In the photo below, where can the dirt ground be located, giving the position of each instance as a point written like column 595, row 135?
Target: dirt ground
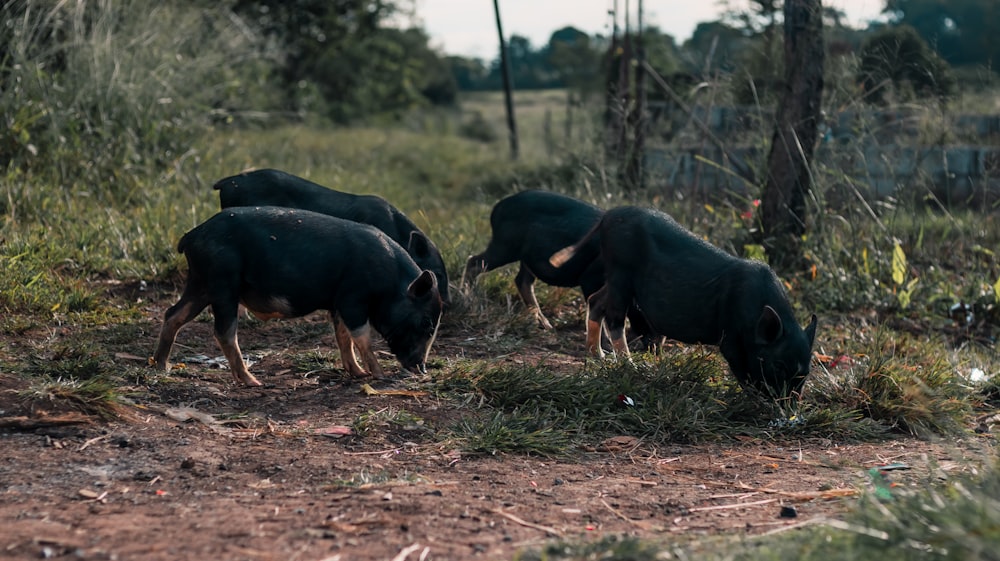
column 198, row 468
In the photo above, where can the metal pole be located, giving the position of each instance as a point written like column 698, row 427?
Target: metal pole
column 507, row 86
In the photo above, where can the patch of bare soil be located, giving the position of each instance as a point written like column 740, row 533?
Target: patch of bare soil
column 200, row 468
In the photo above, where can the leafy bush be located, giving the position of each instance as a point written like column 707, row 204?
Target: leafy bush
column 99, row 96
column 900, row 57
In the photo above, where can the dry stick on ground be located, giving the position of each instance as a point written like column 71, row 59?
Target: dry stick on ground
column 406, row 551
column 734, row 505
column 527, row 524
column 800, row 496
column 30, row 423
column 641, row 524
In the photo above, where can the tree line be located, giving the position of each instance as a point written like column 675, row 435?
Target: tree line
column 353, row 59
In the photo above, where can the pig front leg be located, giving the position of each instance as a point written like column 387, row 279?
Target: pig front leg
column 525, row 282
column 347, row 341
column 612, row 305
column 225, row 336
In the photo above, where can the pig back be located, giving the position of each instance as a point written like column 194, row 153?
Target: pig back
column 308, row 257
column 536, row 224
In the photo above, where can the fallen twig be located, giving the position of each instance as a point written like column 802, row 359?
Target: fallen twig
column 406, row 551
column 30, row 423
column 804, row 495
column 527, row 524
column 92, row 441
column 734, row 505
column 637, row 523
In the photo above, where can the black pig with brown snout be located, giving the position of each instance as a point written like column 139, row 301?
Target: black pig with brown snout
column 271, row 187
column 284, row 263
column 691, row 291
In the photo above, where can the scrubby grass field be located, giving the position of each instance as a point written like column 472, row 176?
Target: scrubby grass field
column 884, row 365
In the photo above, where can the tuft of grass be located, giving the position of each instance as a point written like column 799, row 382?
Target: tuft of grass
column 608, row 548
column 366, row 478
column 521, row 432
column 96, row 396
column 684, row 396
column 900, row 384
column 388, row 417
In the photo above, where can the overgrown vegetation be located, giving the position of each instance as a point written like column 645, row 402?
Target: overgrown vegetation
column 119, row 117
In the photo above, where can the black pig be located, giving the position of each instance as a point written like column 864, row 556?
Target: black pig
column 529, row 227
column 282, row 263
column 693, row 292
column 277, row 188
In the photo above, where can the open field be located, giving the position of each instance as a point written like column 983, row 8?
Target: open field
column 513, row 445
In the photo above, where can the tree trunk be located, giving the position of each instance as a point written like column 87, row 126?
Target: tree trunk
column 783, row 203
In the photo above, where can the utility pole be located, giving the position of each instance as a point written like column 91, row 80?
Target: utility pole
column 507, row 86
column 635, row 177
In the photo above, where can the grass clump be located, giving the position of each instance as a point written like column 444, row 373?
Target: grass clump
column 608, row 548
column 900, row 385
column 387, row 418
column 522, row 432
column 683, row 397
column 686, row 395
column 95, row 395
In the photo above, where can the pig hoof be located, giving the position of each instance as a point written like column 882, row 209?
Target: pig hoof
column 248, row 380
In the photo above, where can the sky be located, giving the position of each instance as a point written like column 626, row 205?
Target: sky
column 468, row 28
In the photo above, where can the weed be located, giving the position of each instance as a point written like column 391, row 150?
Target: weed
column 608, row 548
column 388, row 417
column 93, row 395
column 520, row 432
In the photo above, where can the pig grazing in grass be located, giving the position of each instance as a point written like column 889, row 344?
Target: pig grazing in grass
column 529, row 227
column 693, row 292
column 270, row 187
column 284, row 263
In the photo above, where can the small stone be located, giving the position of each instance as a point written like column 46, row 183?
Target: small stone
column 88, row 494
column 788, row 512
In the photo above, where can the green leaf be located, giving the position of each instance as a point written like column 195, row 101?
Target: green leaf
column 898, row 265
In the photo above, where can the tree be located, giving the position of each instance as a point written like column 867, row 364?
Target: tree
column 788, row 182
column 962, row 31
column 900, row 57
column 574, row 60
column 340, row 56
column 716, row 45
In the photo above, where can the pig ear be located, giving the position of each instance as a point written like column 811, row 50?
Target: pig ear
column 423, row 285
column 418, row 245
column 769, row 326
column 811, row 331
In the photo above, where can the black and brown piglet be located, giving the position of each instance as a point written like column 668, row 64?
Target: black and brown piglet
column 273, row 187
column 285, row 263
column 691, row 291
column 527, row 228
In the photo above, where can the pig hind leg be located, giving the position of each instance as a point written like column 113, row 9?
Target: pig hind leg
column 525, row 282
column 225, row 335
column 176, row 317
